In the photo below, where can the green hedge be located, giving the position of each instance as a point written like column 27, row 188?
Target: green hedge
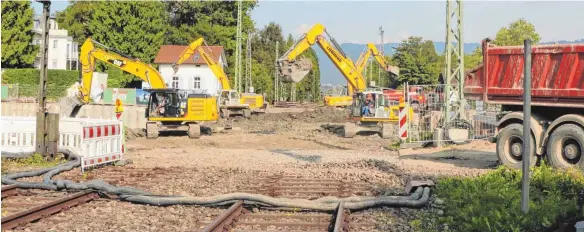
column 28, row 79
column 492, row 202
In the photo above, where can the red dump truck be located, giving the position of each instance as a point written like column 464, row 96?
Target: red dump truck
column 557, row 107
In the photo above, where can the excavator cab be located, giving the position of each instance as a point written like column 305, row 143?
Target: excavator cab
column 179, row 110
column 230, row 104
column 372, row 111
column 165, row 105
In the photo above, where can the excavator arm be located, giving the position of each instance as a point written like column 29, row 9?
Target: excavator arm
column 215, row 68
column 89, row 53
column 372, row 50
column 292, row 70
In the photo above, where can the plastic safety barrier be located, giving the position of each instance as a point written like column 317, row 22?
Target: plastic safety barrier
column 97, row 141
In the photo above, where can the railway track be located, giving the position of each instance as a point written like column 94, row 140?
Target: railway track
column 235, row 218
column 238, row 218
column 21, row 206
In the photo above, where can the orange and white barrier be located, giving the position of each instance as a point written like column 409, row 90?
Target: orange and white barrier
column 97, row 141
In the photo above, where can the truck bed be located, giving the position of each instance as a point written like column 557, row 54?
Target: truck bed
column 557, row 75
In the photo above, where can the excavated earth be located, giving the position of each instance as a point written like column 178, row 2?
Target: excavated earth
column 305, row 143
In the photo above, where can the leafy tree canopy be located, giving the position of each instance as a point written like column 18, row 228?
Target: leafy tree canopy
column 418, row 61
column 17, row 35
column 516, row 32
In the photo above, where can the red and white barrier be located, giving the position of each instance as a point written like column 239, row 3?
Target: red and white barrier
column 97, row 141
column 403, row 121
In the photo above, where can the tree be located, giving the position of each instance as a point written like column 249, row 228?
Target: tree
column 513, row 35
column 17, row 35
column 418, row 61
column 216, row 21
column 133, row 28
column 516, row 32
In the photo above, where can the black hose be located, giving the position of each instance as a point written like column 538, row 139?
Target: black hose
column 329, row 204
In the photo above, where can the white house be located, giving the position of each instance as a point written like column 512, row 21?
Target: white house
column 62, row 50
column 193, row 73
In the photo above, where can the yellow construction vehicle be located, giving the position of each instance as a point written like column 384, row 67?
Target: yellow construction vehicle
column 230, row 101
column 372, row 50
column 381, row 114
column 168, row 109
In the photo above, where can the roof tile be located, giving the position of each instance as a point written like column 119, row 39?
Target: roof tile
column 168, row 54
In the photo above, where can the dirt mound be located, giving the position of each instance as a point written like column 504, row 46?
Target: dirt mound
column 319, row 114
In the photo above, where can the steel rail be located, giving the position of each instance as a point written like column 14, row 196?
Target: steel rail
column 26, row 216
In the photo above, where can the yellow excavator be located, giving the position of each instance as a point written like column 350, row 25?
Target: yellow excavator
column 346, row 99
column 372, row 50
column 168, row 109
column 231, row 102
column 370, row 109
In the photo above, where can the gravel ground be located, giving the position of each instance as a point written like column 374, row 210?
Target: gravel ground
column 228, row 161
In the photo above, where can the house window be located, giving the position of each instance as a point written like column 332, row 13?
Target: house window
column 68, row 55
column 197, row 82
column 55, row 43
column 54, row 63
column 175, row 82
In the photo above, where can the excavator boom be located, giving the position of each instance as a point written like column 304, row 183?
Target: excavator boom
column 372, row 50
column 89, row 53
column 215, row 68
column 292, row 70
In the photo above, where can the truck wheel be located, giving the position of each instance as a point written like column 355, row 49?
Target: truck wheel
column 350, row 130
column 194, row 131
column 510, row 147
column 566, row 147
column 247, row 113
column 151, row 131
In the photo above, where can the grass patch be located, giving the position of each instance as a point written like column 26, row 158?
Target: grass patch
column 32, row 162
column 492, row 202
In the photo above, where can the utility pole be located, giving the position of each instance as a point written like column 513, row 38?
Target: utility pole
column 47, row 125
column 248, row 81
column 454, row 71
column 276, row 78
column 381, row 50
column 238, row 49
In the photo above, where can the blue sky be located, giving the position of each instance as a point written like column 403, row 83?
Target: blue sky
column 358, row 21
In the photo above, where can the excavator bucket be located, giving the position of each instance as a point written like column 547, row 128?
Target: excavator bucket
column 294, row 71
column 69, row 106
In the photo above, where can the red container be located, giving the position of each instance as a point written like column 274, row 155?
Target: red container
column 557, row 75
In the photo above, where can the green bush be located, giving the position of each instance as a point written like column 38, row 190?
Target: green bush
column 492, row 202
column 28, row 80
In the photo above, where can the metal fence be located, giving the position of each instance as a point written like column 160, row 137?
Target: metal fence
column 429, row 122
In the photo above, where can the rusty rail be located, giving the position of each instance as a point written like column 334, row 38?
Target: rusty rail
column 9, row 190
column 226, row 220
column 26, row 216
column 340, row 218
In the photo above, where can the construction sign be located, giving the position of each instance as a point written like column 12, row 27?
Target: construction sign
column 119, row 108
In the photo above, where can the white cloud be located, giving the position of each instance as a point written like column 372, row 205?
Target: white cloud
column 300, row 30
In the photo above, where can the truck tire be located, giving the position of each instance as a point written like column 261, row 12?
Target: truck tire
column 194, row 131
column 350, row 130
column 151, row 131
column 510, row 146
column 565, row 148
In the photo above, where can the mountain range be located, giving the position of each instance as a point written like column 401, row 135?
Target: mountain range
column 329, row 74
